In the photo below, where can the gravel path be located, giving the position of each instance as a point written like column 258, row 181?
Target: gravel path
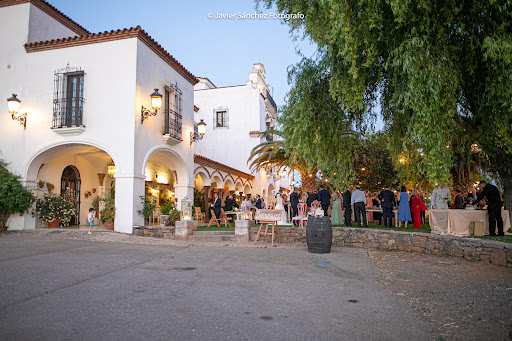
column 461, row 299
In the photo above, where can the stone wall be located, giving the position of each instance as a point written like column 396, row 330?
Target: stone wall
column 154, row 232
column 488, row 251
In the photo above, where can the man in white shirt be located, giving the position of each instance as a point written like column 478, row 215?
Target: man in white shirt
column 359, row 203
column 439, row 197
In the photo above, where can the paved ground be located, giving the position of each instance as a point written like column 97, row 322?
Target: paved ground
column 67, row 285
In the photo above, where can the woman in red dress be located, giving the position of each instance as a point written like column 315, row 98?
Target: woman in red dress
column 416, row 207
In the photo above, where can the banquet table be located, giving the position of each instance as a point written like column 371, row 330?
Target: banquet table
column 458, row 222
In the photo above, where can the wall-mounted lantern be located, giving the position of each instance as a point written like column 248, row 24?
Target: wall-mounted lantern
column 156, row 103
column 201, row 129
column 13, row 104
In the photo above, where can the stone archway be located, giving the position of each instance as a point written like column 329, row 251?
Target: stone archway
column 66, row 165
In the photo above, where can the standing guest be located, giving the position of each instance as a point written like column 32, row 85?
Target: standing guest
column 422, row 212
column 347, row 199
column 229, row 203
column 369, row 204
column 417, row 206
column 459, row 200
column 377, row 216
column 387, row 202
column 359, row 203
column 404, row 212
column 324, row 198
column 285, row 203
column 440, row 197
column 294, row 201
column 258, row 202
column 494, row 204
column 217, row 205
column 411, row 196
column 311, row 197
column 336, row 212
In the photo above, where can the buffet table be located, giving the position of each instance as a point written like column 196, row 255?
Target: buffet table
column 458, row 222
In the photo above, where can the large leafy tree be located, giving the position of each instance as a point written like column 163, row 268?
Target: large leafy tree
column 439, row 67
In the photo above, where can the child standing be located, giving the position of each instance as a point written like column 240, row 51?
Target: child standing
column 90, row 219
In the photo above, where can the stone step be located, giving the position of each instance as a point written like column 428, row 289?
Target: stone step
column 213, row 233
column 211, row 238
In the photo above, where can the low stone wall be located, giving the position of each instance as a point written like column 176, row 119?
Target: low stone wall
column 488, row 251
column 155, row 232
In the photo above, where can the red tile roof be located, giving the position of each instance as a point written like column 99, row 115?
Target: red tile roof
column 204, row 161
column 96, row 38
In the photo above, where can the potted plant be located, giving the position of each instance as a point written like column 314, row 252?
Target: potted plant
column 14, row 198
column 165, row 209
column 50, row 187
column 108, row 214
column 173, row 216
column 87, row 194
column 148, row 206
column 94, row 190
column 55, row 210
column 41, row 183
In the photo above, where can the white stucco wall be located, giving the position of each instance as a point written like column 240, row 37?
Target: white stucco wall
column 42, row 27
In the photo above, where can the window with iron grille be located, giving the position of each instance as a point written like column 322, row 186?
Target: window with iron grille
column 172, row 112
column 68, row 98
column 221, row 117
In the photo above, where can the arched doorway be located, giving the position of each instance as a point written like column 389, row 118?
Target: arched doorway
column 70, row 188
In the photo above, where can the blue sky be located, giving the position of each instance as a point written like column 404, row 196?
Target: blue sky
column 221, row 49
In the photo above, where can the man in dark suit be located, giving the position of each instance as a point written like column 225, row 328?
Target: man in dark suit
column 258, row 202
column 229, row 203
column 494, row 204
column 347, row 199
column 387, row 202
column 459, row 200
column 294, row 201
column 311, row 197
column 325, row 199
column 217, row 205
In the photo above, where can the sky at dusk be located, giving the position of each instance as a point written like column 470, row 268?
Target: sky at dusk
column 221, row 49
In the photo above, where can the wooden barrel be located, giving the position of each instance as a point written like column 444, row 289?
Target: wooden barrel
column 319, row 234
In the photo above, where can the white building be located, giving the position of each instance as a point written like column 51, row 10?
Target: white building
column 83, row 94
column 235, row 117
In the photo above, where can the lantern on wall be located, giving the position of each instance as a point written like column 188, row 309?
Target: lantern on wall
column 111, row 169
column 186, row 209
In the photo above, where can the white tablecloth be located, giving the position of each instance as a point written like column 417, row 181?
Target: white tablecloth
column 458, row 222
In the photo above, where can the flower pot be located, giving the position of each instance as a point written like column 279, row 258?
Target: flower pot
column 54, row 223
column 86, row 195
column 109, row 224
column 41, row 185
column 94, row 190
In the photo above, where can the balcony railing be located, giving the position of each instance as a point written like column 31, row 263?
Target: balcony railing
column 68, row 112
column 271, row 100
column 174, row 124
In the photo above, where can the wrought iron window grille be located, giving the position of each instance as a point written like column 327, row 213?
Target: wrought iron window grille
column 68, row 97
column 173, row 119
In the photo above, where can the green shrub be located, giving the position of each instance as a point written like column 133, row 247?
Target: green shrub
column 173, row 216
column 108, row 212
column 166, row 208
column 14, row 198
column 148, row 206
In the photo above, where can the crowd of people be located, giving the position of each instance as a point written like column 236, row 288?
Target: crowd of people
column 353, row 203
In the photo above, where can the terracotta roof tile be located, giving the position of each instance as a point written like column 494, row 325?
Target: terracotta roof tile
column 106, row 36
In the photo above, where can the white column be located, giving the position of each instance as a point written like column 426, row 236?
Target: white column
column 25, row 221
column 182, row 191
column 129, row 189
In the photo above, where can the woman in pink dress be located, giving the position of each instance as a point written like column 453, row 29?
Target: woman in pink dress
column 369, row 204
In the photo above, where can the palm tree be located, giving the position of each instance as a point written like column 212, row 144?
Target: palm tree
column 271, row 154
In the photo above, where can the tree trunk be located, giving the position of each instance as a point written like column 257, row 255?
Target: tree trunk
column 507, row 196
column 462, row 181
column 3, row 220
column 308, row 183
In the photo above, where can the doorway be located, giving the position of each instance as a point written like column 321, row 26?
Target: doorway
column 70, row 189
